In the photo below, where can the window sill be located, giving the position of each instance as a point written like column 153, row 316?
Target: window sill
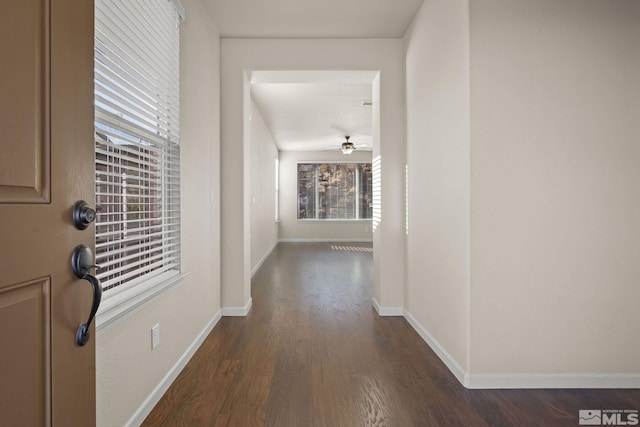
column 120, row 305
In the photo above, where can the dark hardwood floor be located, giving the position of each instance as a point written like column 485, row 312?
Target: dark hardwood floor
column 313, row 352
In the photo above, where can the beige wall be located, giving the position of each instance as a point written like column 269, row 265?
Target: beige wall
column 437, row 87
column 264, row 230
column 555, row 198
column 126, row 368
column 242, row 55
column 522, row 255
column 522, row 136
column 293, row 230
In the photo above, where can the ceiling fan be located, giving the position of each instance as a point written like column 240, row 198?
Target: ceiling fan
column 349, row 147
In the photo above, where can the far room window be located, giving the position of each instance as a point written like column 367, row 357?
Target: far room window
column 376, row 184
column 277, row 185
column 335, row 191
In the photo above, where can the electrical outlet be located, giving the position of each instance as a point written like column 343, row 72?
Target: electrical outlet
column 155, row 336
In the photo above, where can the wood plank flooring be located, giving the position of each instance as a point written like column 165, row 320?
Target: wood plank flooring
column 313, row 352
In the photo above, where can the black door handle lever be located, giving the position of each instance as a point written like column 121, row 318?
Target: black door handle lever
column 82, row 263
column 82, row 335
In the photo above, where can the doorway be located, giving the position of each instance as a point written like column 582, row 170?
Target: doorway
column 299, row 118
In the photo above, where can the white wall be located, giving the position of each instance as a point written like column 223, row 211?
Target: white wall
column 264, row 230
column 437, row 87
column 522, row 136
column 240, row 56
column 293, row 230
column 127, row 370
column 555, row 93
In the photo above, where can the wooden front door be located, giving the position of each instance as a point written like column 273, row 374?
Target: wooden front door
column 46, row 165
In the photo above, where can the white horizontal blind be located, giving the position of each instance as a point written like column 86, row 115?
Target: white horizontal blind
column 406, row 199
column 334, row 191
column 377, row 192
column 136, row 144
column 277, row 186
column 337, row 191
column 307, row 194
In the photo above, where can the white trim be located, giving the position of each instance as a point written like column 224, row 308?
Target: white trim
column 238, row 311
column 150, row 402
column 325, row 240
column 322, row 162
column 451, row 363
column 532, row 381
column 263, row 259
column 525, row 381
column 387, row 311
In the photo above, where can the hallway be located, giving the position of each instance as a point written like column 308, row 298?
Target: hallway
column 313, row 352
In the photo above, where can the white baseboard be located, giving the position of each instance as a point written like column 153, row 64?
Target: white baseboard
column 238, row 311
column 338, row 240
column 150, row 402
column 263, row 259
column 511, row 381
column 451, row 363
column 523, row 381
column 387, row 311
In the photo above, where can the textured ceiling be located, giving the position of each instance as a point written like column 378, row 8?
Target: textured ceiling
column 313, row 18
column 314, row 110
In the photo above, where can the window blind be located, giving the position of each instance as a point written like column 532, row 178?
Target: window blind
column 334, row 191
column 377, row 192
column 137, row 133
column 277, row 186
column 406, row 199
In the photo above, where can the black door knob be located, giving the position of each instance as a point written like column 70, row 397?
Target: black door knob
column 83, row 215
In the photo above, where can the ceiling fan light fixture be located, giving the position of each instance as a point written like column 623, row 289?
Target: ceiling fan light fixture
column 347, row 148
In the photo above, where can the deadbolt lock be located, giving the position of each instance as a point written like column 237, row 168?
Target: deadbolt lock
column 83, row 215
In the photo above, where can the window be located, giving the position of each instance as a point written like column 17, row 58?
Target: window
column 335, row 191
column 406, row 199
column 137, row 156
column 377, row 192
column 277, row 183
